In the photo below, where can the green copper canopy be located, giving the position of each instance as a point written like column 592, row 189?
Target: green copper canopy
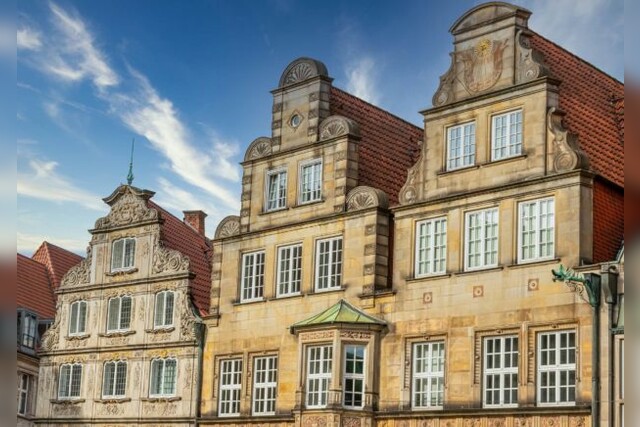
column 340, row 312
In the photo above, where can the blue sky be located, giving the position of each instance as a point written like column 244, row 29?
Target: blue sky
column 190, row 82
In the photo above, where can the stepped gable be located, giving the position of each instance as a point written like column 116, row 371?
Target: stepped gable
column 181, row 237
column 57, row 261
column 34, row 291
column 389, row 145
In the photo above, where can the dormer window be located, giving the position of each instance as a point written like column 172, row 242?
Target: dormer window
column 276, row 197
column 123, row 254
column 461, row 146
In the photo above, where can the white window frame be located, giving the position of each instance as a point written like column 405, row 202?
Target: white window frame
column 161, row 364
column 318, row 383
column 301, row 184
column 252, row 282
column 79, row 327
column 619, row 381
column 23, row 393
column 280, row 200
column 500, row 370
column 29, row 329
column 558, row 368
column 111, row 385
column 428, row 375
column 123, row 322
column 511, row 139
column 265, row 385
column 354, row 377
column 482, row 240
column 289, row 270
column 431, row 247
column 124, row 262
column 230, row 387
column 537, row 229
column 161, row 318
column 462, row 155
column 71, row 387
column 334, row 261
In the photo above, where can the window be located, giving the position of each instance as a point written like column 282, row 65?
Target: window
column 276, row 190
column 163, row 377
column 353, row 395
column 70, row 381
column 230, row 387
column 119, row 314
column 461, row 146
column 329, row 264
column 123, row 253
column 481, row 248
column 114, row 379
column 252, row 276
column 619, row 380
column 163, row 317
column 310, row 181
column 537, row 230
column 29, row 325
column 431, row 247
column 78, row 318
column 506, row 135
column 319, row 363
column 500, row 378
column 24, row 381
column 557, row 368
column 428, row 375
column 265, row 379
column 289, row 269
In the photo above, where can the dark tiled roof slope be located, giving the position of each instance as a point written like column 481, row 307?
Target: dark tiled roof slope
column 57, row 261
column 34, row 291
column 608, row 221
column 389, row 145
column 177, row 235
column 592, row 101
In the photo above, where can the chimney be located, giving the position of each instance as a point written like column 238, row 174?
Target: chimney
column 196, row 220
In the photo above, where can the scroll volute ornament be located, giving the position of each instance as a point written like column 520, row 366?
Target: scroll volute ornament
column 565, row 150
column 530, row 61
column 80, row 274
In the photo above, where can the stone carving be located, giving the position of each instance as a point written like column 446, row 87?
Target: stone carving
column 408, row 192
column 370, row 249
column 229, row 226
column 111, row 409
column 482, row 64
column 160, row 409
column 497, row 422
column 523, row 422
column 550, row 421
column 187, row 320
column 128, row 209
column 67, row 408
column 351, row 422
column 428, row 423
column 444, row 93
column 334, row 126
column 364, row 197
column 355, row 335
column 577, row 421
column 260, row 147
column 302, row 69
column 472, row 422
column 79, row 274
column 298, row 73
column 531, row 62
column 315, row 421
column 567, row 154
column 167, row 260
column 316, row 335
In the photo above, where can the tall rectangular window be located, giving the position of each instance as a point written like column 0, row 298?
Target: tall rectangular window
column 500, row 378
column 163, row 316
column 70, row 381
column 506, row 135
column 289, row 270
column 310, row 181
column 230, row 387
column 265, row 381
column 481, row 238
column 461, row 146
column 557, row 368
column 431, row 247
column 537, row 230
column 252, row 276
column 353, row 378
column 123, row 254
column 328, row 264
column 276, row 190
column 319, row 365
column 114, row 379
column 24, row 382
column 78, row 318
column 29, row 328
column 119, row 314
column 428, row 375
column 163, row 377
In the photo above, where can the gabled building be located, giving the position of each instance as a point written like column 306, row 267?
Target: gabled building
column 125, row 345
column 381, row 274
column 37, row 279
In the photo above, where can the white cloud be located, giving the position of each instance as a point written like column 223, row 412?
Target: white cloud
column 28, row 243
column 28, row 39
column 361, row 79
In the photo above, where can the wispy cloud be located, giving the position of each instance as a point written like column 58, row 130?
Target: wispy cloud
column 28, row 39
column 361, row 79
column 28, row 243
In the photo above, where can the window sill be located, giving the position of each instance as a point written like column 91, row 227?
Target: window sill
column 121, row 272
column 460, row 169
column 160, row 330
column 271, row 211
column 156, row 399
column 286, row 296
column 249, row 302
column 535, row 262
column 110, row 334
column 67, row 401
column 113, row 400
column 309, row 203
column 479, row 270
column 427, row 277
column 77, row 337
column 329, row 290
column 504, row 160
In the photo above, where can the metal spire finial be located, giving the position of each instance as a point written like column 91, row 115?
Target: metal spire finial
column 130, row 174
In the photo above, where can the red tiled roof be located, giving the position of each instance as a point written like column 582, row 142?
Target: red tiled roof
column 608, row 221
column 389, row 145
column 177, row 235
column 34, row 288
column 57, row 261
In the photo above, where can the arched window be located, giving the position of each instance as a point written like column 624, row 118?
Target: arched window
column 123, row 254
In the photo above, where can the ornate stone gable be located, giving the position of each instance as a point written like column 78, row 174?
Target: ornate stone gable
column 128, row 207
column 80, row 274
column 167, row 260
